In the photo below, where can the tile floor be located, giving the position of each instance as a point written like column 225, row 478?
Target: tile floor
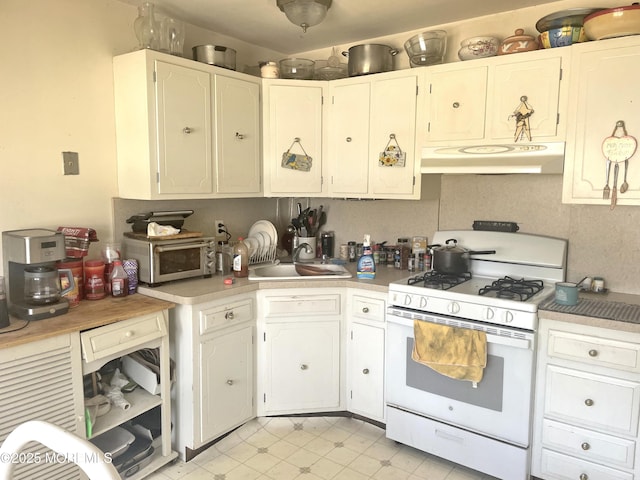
column 312, row 448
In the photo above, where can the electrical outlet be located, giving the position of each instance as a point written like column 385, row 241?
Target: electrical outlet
column 219, row 226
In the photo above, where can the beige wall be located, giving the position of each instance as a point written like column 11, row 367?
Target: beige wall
column 56, row 95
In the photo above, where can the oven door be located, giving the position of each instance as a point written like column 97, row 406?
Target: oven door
column 499, row 406
column 175, row 261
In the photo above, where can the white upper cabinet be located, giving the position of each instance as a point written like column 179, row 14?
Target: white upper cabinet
column 185, row 129
column 293, row 115
column 604, row 91
column 237, row 139
column 368, row 116
column 480, row 101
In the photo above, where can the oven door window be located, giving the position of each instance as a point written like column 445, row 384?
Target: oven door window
column 488, row 393
column 176, row 261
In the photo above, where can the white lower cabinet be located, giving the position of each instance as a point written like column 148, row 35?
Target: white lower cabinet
column 212, row 345
column 365, row 354
column 42, row 380
column 226, row 381
column 587, row 403
column 299, row 351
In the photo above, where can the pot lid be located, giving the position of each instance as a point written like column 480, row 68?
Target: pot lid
column 571, row 17
column 518, row 37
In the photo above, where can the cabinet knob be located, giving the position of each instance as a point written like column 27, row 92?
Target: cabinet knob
column 365, row 371
column 584, row 476
column 128, row 334
column 348, row 139
column 229, row 315
column 303, row 367
column 588, row 402
column 593, row 353
column 239, row 136
column 455, row 105
column 585, row 446
column 229, row 382
column 186, row 130
column 365, row 309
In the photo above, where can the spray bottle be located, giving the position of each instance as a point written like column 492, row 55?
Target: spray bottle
column 366, row 265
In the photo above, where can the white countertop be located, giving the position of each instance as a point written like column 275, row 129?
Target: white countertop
column 190, row 292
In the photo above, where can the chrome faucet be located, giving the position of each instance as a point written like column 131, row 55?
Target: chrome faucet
column 296, row 251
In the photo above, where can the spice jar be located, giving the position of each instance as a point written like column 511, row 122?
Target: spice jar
column 94, row 288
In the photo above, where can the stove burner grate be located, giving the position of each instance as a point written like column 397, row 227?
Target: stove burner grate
column 512, row 289
column 439, row 281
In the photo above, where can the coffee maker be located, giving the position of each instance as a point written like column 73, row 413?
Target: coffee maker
column 33, row 287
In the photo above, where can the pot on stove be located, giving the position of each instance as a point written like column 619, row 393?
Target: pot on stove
column 452, row 258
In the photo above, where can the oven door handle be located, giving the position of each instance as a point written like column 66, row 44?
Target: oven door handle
column 509, row 341
column 182, row 246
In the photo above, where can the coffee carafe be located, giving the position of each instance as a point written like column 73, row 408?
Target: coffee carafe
column 33, row 287
column 42, row 284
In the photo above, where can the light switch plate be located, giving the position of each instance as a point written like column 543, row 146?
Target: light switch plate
column 71, row 163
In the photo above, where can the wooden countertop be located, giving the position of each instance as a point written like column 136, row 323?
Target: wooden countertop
column 87, row 315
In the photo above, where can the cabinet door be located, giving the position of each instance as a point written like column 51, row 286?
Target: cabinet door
column 456, row 104
column 183, row 98
column 238, row 166
column 293, row 111
column 302, row 366
column 226, row 382
column 604, row 89
column 349, row 139
column 393, row 114
column 531, row 84
column 366, row 371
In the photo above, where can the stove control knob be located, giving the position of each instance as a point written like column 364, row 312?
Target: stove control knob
column 508, row 316
column 453, row 307
column 423, row 302
column 489, row 313
column 407, row 300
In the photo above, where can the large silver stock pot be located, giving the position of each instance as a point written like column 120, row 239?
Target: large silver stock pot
column 370, row 58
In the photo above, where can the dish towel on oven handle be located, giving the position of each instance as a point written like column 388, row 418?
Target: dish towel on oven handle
column 458, row 353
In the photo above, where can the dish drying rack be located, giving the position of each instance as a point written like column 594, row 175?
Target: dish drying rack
column 268, row 255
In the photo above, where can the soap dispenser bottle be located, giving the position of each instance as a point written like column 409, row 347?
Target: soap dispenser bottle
column 366, row 265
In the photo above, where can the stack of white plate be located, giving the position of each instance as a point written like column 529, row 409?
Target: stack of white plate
column 262, row 240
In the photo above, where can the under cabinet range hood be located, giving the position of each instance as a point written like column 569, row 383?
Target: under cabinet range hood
column 546, row 158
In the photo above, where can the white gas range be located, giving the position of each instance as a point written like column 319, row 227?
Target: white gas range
column 486, row 426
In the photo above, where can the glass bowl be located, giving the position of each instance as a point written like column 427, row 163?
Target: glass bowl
column 297, row 68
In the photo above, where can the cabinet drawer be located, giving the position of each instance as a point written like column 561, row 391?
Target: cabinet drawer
column 594, row 350
column 308, row 305
column 588, row 444
column 557, row 466
column 606, row 403
column 368, row 308
column 225, row 315
column 121, row 336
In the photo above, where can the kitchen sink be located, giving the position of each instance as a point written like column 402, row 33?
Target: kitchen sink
column 297, row 271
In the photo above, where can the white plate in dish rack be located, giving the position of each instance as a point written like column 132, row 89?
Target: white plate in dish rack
column 267, row 228
column 264, row 242
column 252, row 245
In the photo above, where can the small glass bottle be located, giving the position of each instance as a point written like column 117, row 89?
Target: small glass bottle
column 240, row 259
column 119, row 280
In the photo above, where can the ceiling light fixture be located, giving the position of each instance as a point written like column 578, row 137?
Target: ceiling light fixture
column 305, row 13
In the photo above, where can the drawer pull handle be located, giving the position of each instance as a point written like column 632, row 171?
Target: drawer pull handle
column 365, row 371
column 588, row 402
column 128, row 334
column 585, row 446
column 365, row 309
column 593, row 353
column 303, row 367
column 186, row 130
column 584, row 476
column 229, row 315
column 229, row 382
